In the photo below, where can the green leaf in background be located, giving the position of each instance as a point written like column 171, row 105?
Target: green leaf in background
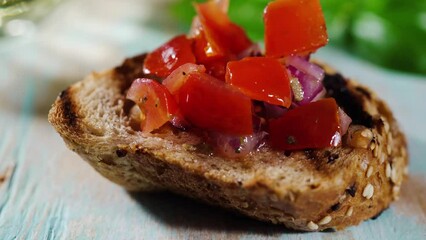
column 391, row 33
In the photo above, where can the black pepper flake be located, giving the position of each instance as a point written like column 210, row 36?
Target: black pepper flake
column 183, row 73
column 351, row 190
column 121, row 153
column 144, row 99
column 335, row 207
column 291, row 140
column 332, row 158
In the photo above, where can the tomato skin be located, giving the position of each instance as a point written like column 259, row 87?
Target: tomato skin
column 178, row 77
column 155, row 102
column 163, row 60
column 316, row 125
column 261, row 78
column 223, row 36
column 294, row 27
column 216, row 39
column 211, row 104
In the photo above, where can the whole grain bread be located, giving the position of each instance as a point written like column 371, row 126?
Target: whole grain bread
column 305, row 190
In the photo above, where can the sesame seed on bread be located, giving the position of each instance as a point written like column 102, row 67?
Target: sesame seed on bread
column 308, row 190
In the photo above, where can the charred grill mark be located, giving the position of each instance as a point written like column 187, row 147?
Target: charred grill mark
column 68, row 109
column 364, row 91
column 129, row 70
column 350, row 101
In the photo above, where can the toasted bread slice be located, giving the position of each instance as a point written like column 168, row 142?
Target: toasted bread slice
column 305, row 190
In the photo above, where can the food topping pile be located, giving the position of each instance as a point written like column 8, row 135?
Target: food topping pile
column 217, row 80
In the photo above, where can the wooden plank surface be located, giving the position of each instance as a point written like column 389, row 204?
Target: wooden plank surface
column 48, row 192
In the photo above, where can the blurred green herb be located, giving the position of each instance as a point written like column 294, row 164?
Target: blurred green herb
column 391, row 33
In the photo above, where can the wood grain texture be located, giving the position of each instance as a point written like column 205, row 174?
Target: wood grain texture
column 48, row 192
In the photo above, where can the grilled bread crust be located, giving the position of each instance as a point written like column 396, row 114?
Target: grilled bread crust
column 309, row 190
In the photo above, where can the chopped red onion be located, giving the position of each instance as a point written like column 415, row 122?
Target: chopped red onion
column 253, row 50
column 345, row 121
column 274, row 111
column 336, row 139
column 236, row 146
column 306, row 67
column 320, row 95
column 311, row 86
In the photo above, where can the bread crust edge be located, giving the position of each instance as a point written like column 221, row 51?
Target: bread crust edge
column 140, row 169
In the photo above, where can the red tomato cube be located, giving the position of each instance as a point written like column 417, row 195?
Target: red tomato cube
column 294, row 27
column 316, row 125
column 178, row 77
column 222, row 36
column 213, row 105
column 157, row 105
column 261, row 78
column 163, row 60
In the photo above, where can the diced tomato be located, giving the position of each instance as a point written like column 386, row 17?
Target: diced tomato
column 261, row 78
column 216, row 68
column 211, row 104
column 163, row 60
column 214, row 62
column 157, row 105
column 222, row 37
column 294, row 27
column 315, row 125
column 203, row 49
column 178, row 77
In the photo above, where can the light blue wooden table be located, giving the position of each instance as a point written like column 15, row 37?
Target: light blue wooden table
column 47, row 192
